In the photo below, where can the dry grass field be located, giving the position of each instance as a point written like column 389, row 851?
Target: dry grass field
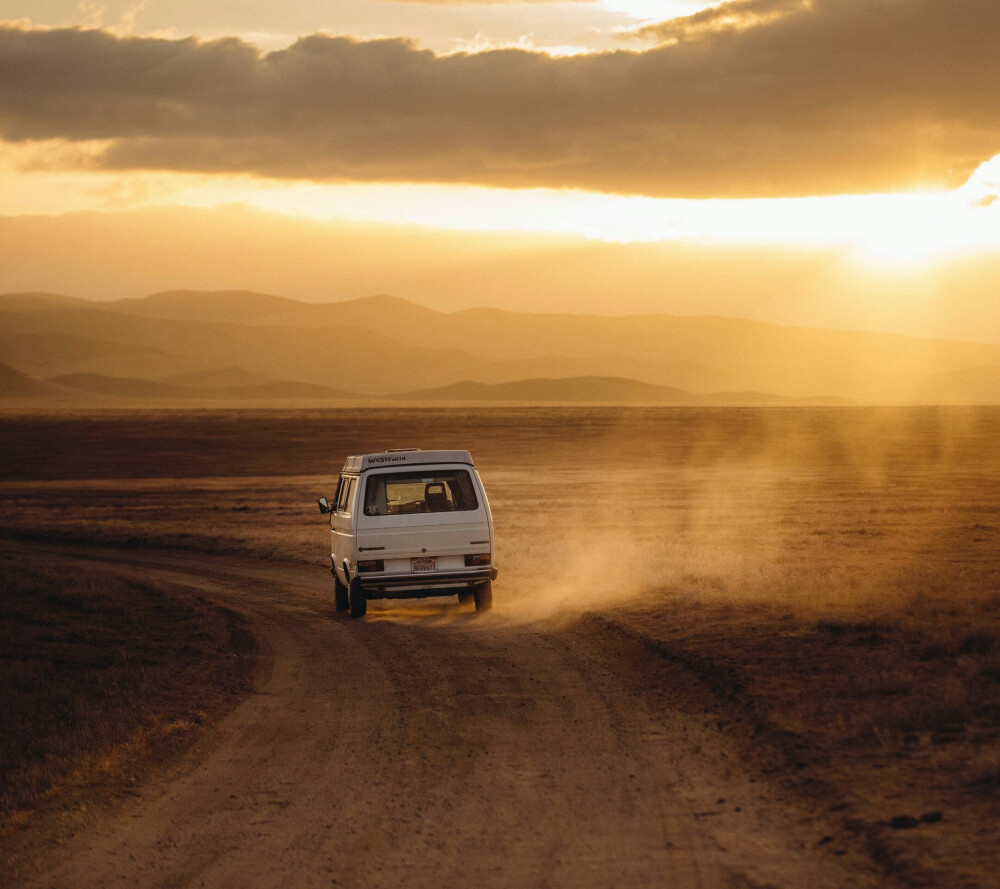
column 822, row 585
column 102, row 681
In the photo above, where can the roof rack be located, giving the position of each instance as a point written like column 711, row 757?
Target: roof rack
column 403, row 457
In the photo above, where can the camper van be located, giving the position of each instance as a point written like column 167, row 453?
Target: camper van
column 409, row 523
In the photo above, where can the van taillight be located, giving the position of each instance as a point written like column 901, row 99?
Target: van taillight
column 370, row 565
column 474, row 559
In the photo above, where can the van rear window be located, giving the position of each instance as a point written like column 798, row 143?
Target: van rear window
column 428, row 490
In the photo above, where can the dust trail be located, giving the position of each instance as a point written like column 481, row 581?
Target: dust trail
column 803, row 507
column 849, row 509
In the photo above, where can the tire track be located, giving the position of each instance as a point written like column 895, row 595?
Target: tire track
column 423, row 747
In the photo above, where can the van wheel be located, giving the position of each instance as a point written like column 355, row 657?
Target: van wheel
column 359, row 601
column 465, row 596
column 484, row 596
column 340, row 594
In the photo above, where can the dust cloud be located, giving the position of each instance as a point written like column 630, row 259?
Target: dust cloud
column 852, row 509
column 805, row 508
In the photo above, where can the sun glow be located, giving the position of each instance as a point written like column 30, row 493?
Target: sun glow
column 897, row 229
column 656, row 10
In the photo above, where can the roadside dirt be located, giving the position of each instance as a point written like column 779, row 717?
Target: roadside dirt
column 427, row 746
column 102, row 677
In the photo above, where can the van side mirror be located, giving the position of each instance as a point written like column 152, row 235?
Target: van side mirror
column 324, row 506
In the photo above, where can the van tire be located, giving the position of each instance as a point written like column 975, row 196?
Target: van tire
column 465, row 596
column 359, row 601
column 340, row 594
column 484, row 596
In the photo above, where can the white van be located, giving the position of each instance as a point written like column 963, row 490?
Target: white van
column 407, row 524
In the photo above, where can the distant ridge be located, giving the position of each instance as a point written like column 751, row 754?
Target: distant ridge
column 137, row 389
column 216, row 378
column 383, row 346
column 32, row 301
column 568, row 389
column 14, row 384
column 117, row 387
column 282, row 390
column 206, row 305
column 614, row 390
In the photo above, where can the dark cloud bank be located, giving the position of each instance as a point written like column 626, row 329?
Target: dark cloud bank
column 758, row 97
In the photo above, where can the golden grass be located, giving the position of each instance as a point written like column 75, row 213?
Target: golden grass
column 100, row 677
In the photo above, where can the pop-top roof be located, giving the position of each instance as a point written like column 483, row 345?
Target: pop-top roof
column 409, row 457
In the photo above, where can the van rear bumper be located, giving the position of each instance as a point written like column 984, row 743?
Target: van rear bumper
column 429, row 584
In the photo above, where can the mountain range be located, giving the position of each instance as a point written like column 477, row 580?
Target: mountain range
column 244, row 346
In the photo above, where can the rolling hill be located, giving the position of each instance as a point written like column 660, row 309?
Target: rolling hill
column 610, row 390
column 571, row 389
column 158, row 390
column 382, row 345
column 14, row 384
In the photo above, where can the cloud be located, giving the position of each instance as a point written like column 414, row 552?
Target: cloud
column 735, row 15
column 484, row 2
column 753, row 98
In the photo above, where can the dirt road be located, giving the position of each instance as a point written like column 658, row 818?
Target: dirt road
column 429, row 746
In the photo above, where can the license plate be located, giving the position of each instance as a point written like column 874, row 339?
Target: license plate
column 418, row 565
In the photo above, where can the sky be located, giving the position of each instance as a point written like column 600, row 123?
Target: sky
column 757, row 135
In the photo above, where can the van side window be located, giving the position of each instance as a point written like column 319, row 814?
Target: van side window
column 346, row 488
